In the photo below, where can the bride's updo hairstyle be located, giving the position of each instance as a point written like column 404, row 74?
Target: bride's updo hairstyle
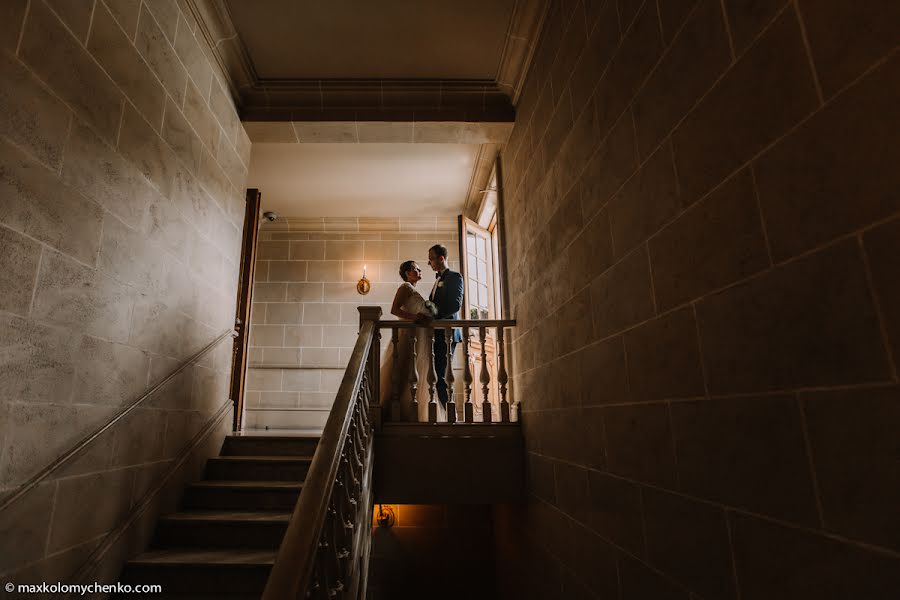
column 405, row 268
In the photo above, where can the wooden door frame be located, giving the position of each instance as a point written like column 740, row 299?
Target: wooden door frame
column 463, row 222
column 244, row 302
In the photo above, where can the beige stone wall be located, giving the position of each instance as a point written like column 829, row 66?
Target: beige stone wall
column 703, row 238
column 304, row 312
column 122, row 171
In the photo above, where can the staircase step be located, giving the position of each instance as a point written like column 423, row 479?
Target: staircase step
column 222, row 529
column 270, row 445
column 197, row 572
column 247, row 495
column 258, row 468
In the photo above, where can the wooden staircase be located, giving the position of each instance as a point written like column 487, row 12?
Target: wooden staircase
column 223, row 541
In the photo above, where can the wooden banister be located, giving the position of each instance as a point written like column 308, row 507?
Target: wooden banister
column 326, row 544
column 445, row 323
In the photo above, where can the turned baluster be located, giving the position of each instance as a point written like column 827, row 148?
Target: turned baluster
column 467, row 379
column 502, row 377
column 449, row 378
column 485, row 377
column 432, row 379
column 413, row 376
column 396, row 415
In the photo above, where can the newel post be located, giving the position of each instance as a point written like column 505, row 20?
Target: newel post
column 373, row 364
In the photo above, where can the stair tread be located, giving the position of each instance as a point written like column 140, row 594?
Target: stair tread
column 201, row 556
column 234, row 483
column 229, row 515
column 275, row 436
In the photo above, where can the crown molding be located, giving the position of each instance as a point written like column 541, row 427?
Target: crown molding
column 372, row 100
column 521, row 40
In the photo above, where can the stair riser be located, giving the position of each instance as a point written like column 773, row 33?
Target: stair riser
column 193, row 580
column 249, row 446
column 195, row 534
column 197, row 498
column 231, row 471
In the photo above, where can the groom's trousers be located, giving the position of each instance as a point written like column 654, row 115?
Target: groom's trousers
column 440, row 363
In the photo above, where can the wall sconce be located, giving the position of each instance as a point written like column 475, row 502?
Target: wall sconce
column 385, row 517
column 363, row 286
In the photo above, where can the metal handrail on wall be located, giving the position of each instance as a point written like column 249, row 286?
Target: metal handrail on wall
column 84, row 443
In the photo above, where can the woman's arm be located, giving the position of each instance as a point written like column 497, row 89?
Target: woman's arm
column 399, row 300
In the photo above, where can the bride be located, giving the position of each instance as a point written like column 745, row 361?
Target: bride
column 408, row 305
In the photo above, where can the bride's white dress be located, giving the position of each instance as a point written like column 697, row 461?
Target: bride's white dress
column 395, row 368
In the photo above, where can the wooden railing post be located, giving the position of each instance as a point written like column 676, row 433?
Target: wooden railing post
column 467, row 379
column 485, row 377
column 449, row 378
column 413, row 375
column 396, row 410
column 432, row 379
column 502, row 377
column 373, row 363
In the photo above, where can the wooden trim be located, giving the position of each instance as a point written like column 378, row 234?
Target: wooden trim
column 467, row 224
column 449, row 323
column 501, row 238
column 244, row 302
column 461, row 236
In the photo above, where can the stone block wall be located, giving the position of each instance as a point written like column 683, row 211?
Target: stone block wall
column 122, row 170
column 707, row 357
column 304, row 315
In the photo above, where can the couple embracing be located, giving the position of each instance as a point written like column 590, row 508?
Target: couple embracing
column 444, row 302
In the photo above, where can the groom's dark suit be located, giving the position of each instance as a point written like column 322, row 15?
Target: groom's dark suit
column 447, row 295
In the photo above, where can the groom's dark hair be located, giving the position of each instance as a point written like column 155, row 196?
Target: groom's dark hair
column 439, row 250
column 405, row 268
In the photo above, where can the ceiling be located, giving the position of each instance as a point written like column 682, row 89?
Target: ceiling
column 387, row 39
column 362, row 180
column 363, row 79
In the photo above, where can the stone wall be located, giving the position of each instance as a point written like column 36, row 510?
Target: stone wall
column 122, row 173
column 707, row 357
column 304, row 314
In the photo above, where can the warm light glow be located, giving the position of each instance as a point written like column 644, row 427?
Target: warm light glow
column 364, row 271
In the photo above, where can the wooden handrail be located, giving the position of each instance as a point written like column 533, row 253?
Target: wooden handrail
column 292, row 572
column 445, row 323
column 77, row 448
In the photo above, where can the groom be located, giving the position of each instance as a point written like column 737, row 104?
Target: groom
column 447, row 295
